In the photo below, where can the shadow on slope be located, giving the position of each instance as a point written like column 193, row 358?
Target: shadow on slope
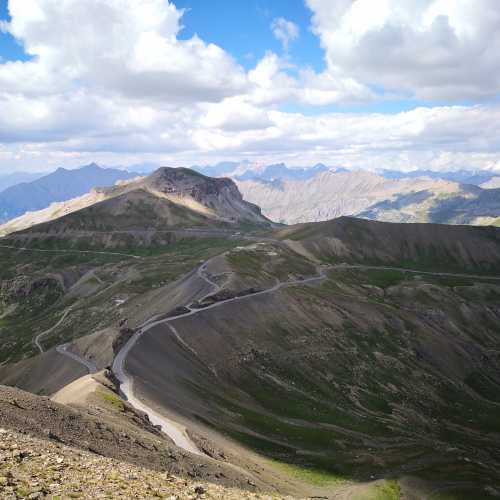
column 361, row 377
column 418, row 246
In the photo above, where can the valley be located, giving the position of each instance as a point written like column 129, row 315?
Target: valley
column 249, row 250
column 340, row 359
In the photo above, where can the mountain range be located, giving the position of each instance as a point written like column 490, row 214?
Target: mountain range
column 280, row 171
column 8, row 180
column 181, row 336
column 368, row 195
column 167, row 198
column 57, row 186
column 286, row 194
column 476, row 177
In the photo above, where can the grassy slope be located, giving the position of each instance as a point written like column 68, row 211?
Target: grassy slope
column 417, row 246
column 353, row 381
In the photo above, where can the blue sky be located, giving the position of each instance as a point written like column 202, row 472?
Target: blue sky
column 397, row 84
column 10, row 49
column 243, row 28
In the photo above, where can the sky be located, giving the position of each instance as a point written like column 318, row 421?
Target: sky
column 363, row 84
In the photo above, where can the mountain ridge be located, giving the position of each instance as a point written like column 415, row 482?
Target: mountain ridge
column 169, row 197
column 369, row 195
column 58, row 186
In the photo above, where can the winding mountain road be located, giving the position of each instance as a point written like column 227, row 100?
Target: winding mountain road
column 40, row 336
column 63, row 349
column 174, row 430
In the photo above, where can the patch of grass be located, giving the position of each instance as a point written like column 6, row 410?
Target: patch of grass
column 386, row 490
column 383, row 278
column 309, row 475
column 112, row 399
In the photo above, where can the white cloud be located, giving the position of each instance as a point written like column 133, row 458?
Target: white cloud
column 274, row 85
column 285, row 31
column 128, row 47
column 111, row 81
column 235, row 114
column 429, row 49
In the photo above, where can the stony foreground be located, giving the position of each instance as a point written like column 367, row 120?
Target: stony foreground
column 33, row 468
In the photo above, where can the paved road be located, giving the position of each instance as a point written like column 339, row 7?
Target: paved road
column 39, row 337
column 27, row 249
column 63, row 349
column 174, row 430
column 414, row 271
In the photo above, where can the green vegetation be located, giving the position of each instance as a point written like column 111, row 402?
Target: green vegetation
column 31, row 262
column 334, row 377
column 43, row 307
column 382, row 278
column 315, row 477
column 112, row 399
column 264, row 264
column 385, row 490
column 34, row 309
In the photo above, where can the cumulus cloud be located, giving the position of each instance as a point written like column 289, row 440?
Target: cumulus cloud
column 128, row 47
column 429, row 49
column 285, row 31
column 111, row 81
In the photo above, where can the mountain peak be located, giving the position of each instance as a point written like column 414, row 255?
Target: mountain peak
column 214, row 197
column 92, row 165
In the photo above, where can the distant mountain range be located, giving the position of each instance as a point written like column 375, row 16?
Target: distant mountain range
column 286, row 194
column 477, row 178
column 278, row 171
column 368, row 195
column 8, row 180
column 243, row 171
column 58, row 186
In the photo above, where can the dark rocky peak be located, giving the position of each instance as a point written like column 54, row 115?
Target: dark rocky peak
column 187, row 182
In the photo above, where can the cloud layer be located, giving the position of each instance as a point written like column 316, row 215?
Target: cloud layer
column 421, row 48
column 110, row 80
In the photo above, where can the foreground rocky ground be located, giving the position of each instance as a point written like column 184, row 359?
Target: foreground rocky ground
column 34, row 468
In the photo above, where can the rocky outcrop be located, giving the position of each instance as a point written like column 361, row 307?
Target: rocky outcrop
column 218, row 197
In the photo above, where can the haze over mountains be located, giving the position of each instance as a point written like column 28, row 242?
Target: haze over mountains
column 285, row 194
column 60, row 185
column 372, row 196
column 7, row 180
